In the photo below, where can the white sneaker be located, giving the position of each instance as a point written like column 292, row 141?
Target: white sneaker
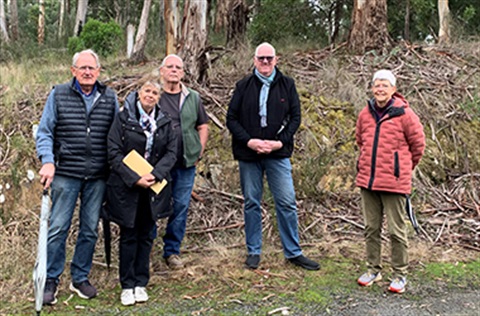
column 127, row 297
column 140, row 294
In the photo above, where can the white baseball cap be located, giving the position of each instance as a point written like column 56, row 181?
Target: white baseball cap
column 385, row 75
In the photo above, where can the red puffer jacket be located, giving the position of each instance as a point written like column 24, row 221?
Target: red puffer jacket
column 389, row 148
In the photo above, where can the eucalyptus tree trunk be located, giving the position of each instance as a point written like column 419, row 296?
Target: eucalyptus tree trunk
column 161, row 14
column 369, row 26
column 41, row 22
column 82, row 6
column 221, row 15
column 171, row 26
column 122, row 9
column 237, row 22
column 193, row 43
column 130, row 39
column 141, row 38
column 256, row 6
column 406, row 32
column 3, row 24
column 14, row 19
column 61, row 18
column 336, row 14
column 444, row 19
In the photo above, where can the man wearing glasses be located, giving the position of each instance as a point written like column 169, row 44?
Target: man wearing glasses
column 263, row 116
column 72, row 146
column 190, row 123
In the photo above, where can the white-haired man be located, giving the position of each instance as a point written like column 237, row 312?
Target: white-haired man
column 190, row 122
column 72, row 146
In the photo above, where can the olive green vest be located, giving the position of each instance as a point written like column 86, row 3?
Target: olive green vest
column 188, row 116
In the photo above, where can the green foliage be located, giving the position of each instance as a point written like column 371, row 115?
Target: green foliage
column 285, row 20
column 103, row 38
column 424, row 18
column 472, row 107
column 458, row 273
column 75, row 44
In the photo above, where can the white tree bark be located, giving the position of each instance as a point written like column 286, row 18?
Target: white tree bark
column 41, row 22
column 444, row 19
column 3, row 23
column 61, row 16
column 141, row 38
column 171, row 26
column 82, row 7
column 130, row 39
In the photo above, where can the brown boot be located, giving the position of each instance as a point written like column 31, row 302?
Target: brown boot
column 174, row 262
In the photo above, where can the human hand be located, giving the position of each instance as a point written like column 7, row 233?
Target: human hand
column 264, row 146
column 146, row 181
column 273, row 145
column 255, row 144
column 47, row 172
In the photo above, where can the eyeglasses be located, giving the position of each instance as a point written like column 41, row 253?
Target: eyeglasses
column 85, row 68
column 267, row 58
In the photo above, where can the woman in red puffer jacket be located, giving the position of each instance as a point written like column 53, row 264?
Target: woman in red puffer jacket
column 391, row 142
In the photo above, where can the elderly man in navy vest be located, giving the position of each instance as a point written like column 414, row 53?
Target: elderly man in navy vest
column 190, row 123
column 72, row 146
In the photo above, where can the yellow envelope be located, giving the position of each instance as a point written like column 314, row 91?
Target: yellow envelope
column 141, row 167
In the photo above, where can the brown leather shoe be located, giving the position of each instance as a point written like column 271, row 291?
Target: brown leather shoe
column 174, row 262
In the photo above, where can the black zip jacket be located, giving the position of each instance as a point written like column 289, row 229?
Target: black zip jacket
column 283, row 116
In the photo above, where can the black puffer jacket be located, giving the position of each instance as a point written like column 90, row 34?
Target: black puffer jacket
column 127, row 134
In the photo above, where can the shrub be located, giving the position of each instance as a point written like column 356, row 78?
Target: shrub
column 103, row 38
column 75, row 44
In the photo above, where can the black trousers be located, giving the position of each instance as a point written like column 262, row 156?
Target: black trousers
column 135, row 247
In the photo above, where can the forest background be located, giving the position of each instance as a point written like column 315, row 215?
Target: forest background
column 331, row 48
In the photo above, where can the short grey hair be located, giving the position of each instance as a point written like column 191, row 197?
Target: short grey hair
column 168, row 56
column 86, row 51
column 262, row 45
column 153, row 84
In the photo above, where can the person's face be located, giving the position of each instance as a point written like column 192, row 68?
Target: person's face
column 172, row 70
column 382, row 91
column 265, row 60
column 149, row 96
column 86, row 70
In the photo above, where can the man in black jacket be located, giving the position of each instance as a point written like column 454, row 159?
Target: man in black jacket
column 263, row 116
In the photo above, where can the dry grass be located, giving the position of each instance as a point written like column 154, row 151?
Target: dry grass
column 214, row 259
column 332, row 89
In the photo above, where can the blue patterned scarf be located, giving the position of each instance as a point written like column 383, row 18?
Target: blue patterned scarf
column 149, row 125
column 264, row 95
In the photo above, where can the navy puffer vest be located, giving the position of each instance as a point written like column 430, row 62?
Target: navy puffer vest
column 80, row 145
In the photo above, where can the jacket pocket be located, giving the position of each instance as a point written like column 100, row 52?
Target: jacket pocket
column 162, row 202
column 396, row 166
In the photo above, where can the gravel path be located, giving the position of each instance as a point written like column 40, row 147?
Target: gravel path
column 452, row 302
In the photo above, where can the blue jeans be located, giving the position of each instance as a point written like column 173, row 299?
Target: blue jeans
column 280, row 182
column 182, row 185
column 65, row 191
